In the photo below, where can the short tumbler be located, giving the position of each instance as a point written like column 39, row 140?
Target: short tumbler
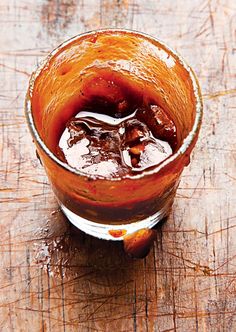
column 106, row 207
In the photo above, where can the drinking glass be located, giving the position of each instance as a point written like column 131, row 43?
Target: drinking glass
column 106, row 207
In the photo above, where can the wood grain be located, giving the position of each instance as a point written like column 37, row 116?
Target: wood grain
column 53, row 277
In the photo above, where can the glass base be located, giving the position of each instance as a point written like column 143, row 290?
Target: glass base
column 102, row 231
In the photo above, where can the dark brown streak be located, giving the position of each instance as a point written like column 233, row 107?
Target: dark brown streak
column 195, row 303
column 15, row 70
column 13, row 284
column 28, row 279
column 197, row 185
column 63, row 299
column 203, row 268
column 211, row 17
column 32, row 309
column 146, row 297
column 49, row 297
column 41, row 300
column 104, row 302
column 225, row 263
column 69, row 282
column 203, row 27
column 10, row 278
column 219, row 94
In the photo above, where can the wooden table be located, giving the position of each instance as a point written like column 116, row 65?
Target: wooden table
column 53, row 277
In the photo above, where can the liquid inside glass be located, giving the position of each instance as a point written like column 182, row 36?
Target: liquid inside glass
column 102, row 140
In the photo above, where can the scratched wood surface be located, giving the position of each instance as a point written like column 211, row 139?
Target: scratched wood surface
column 53, row 277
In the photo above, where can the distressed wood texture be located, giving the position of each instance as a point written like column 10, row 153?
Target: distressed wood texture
column 53, row 277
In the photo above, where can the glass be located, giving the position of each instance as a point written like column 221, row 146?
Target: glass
column 110, row 208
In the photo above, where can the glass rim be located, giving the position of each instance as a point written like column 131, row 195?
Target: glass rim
column 181, row 150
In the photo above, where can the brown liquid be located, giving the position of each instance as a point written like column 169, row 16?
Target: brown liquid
column 112, row 146
column 113, row 130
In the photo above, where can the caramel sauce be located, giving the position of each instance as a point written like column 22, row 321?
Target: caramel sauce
column 115, row 133
column 138, row 244
column 117, row 232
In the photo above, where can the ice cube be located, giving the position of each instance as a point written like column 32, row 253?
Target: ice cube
column 160, row 124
